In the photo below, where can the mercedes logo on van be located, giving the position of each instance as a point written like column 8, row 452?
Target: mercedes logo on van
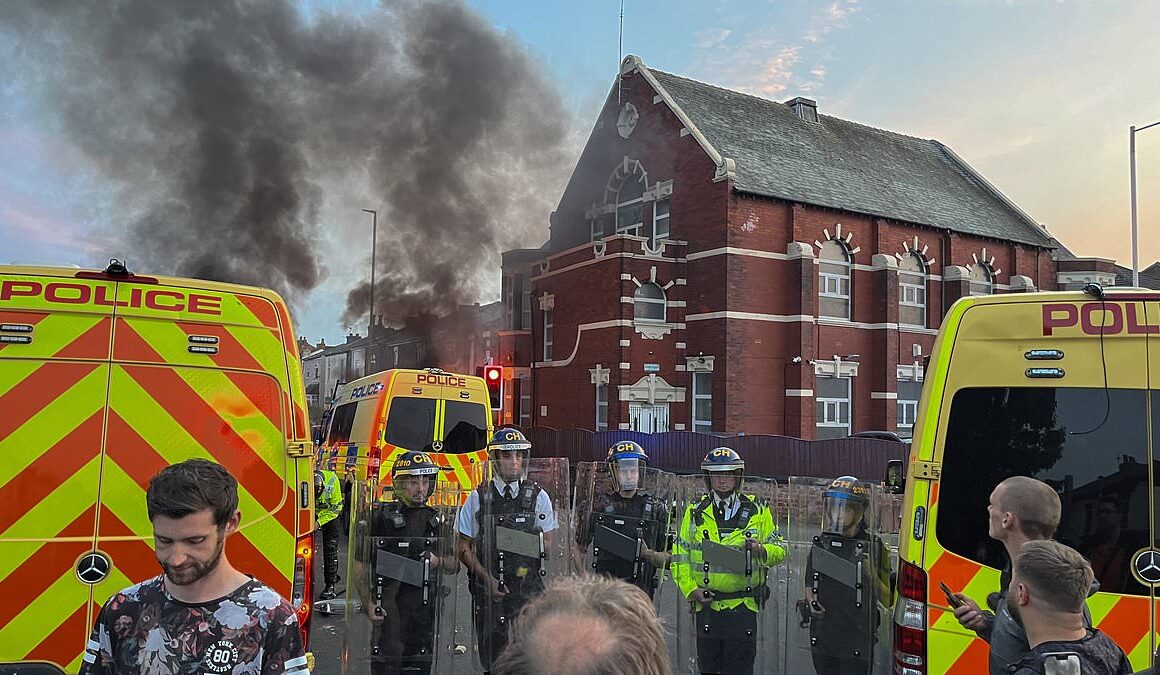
column 1146, row 565
column 93, row 567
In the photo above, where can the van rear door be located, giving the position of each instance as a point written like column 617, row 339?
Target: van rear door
column 1033, row 389
column 54, row 354
column 199, row 373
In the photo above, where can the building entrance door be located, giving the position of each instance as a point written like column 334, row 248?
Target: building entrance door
column 651, row 419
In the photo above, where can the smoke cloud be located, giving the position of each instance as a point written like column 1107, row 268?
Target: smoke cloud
column 227, row 130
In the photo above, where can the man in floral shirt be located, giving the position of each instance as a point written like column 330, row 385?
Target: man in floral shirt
column 201, row 615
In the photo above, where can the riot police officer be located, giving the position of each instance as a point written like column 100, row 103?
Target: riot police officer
column 625, row 524
column 503, row 527
column 847, row 574
column 328, row 507
column 410, row 550
column 725, row 544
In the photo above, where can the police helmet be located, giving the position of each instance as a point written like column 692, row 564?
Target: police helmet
column 319, row 484
column 412, row 463
column 720, row 460
column 508, row 439
column 625, row 455
column 844, row 504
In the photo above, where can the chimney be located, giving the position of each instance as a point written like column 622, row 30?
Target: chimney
column 804, row 108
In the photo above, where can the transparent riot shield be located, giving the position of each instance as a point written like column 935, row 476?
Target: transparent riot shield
column 621, row 527
column 839, row 578
column 520, row 518
column 726, row 557
column 400, row 608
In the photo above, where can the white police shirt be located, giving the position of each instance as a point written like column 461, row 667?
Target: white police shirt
column 468, row 525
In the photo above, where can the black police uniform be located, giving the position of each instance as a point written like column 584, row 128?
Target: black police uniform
column 842, row 639
column 635, row 517
column 520, row 574
column 405, row 639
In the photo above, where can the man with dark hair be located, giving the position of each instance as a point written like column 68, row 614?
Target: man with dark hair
column 588, row 625
column 201, row 615
column 1021, row 510
column 1049, row 583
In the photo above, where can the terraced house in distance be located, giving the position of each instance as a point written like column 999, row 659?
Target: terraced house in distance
column 723, row 262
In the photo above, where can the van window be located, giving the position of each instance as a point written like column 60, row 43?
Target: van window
column 1098, row 465
column 465, row 427
column 411, row 422
column 341, row 422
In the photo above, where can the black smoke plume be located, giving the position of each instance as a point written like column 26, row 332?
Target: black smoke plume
column 228, row 128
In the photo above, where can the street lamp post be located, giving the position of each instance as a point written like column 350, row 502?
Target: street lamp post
column 1132, row 161
column 374, row 235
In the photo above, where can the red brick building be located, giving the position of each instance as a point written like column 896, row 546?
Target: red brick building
column 722, row 262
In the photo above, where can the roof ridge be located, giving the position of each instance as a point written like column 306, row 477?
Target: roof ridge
column 763, row 99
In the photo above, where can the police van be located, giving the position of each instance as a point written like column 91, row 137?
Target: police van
column 380, row 416
column 105, row 378
column 1062, row 387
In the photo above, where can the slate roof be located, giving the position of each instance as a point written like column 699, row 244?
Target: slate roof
column 844, row 165
column 1149, row 276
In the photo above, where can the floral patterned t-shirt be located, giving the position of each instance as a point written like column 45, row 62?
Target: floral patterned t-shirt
column 145, row 631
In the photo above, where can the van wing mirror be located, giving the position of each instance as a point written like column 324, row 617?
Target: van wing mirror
column 895, row 480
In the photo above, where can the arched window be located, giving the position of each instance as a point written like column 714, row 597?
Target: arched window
column 649, row 302
column 912, row 290
column 630, row 205
column 834, row 280
column 982, row 280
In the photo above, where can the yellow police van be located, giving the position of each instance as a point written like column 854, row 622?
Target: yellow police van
column 1062, row 387
column 105, row 378
column 379, row 416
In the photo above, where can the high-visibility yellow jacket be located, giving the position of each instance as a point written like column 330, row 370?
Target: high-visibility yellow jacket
column 700, row 523
column 329, row 505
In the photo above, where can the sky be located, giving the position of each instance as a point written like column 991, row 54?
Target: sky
column 1038, row 96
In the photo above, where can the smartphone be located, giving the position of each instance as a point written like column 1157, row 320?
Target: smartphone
column 951, row 599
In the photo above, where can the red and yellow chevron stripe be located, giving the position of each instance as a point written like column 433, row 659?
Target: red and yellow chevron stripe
column 98, row 402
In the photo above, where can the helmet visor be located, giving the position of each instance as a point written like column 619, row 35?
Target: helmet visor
column 627, row 473
column 841, row 515
column 413, row 490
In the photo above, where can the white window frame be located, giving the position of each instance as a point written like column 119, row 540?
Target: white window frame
column 601, row 406
column 988, row 282
column 907, row 413
column 833, row 405
column 526, row 309
column 701, row 425
column 525, row 401
column 662, row 301
column 597, row 229
column 907, row 409
column 635, row 228
column 549, row 329
column 912, row 289
column 658, row 219
column 830, row 284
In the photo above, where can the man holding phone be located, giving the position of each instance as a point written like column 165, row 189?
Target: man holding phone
column 1021, row 509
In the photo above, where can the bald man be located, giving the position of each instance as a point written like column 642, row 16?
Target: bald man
column 589, row 625
column 1021, row 509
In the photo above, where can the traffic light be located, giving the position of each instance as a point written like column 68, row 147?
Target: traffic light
column 493, row 376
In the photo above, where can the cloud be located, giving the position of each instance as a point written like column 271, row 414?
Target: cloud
column 711, row 37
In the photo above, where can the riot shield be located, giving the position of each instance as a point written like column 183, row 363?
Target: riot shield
column 519, row 525
column 726, row 559
column 401, row 580
column 622, row 529
column 839, row 578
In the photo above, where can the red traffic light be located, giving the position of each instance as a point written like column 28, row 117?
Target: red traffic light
column 493, row 374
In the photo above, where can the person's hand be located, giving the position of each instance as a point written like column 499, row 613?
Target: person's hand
column 969, row 614
column 375, row 612
column 703, row 596
column 496, row 588
column 755, row 546
column 817, row 610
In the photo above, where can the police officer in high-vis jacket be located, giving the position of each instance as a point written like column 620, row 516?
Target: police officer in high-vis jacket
column 327, row 507
column 503, row 528
column 725, row 543
column 847, row 575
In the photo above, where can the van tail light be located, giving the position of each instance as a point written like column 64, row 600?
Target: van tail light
column 910, row 621
column 374, row 460
column 303, row 591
